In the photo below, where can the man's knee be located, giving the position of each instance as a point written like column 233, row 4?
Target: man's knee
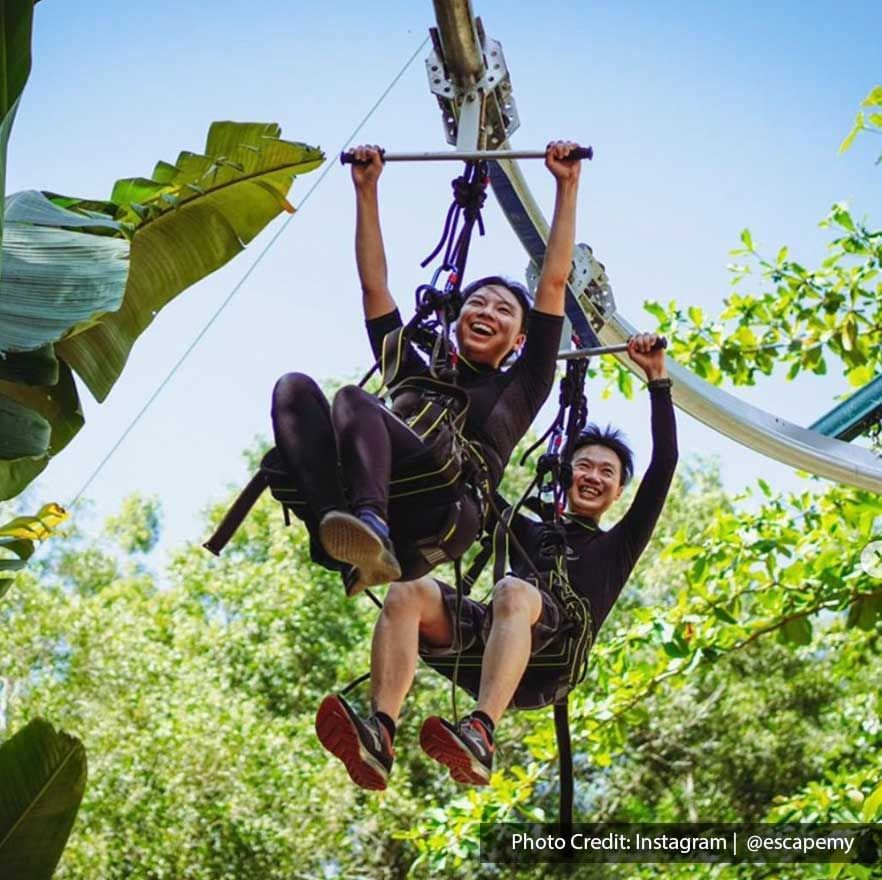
column 291, row 389
column 411, row 597
column 512, row 596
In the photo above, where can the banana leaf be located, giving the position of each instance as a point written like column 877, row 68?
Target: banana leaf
column 37, row 527
column 44, row 777
column 187, row 221
column 59, row 405
column 23, row 550
column 23, row 433
column 38, row 367
column 56, row 272
column 19, row 537
column 16, row 17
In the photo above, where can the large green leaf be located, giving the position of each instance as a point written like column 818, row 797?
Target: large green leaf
column 186, row 222
column 59, row 405
column 16, row 17
column 56, row 273
column 23, row 433
column 43, row 775
column 38, row 367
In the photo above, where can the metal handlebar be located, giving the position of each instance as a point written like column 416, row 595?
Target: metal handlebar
column 580, row 353
column 348, row 157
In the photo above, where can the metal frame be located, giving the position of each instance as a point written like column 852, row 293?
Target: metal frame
column 459, row 34
column 854, row 415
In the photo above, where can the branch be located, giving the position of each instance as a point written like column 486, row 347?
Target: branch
column 797, row 616
column 727, row 652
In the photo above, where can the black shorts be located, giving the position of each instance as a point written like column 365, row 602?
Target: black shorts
column 546, row 678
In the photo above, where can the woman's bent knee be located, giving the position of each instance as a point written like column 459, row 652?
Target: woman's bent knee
column 349, row 400
column 292, row 388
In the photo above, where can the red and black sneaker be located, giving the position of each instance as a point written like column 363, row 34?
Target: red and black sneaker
column 465, row 748
column 364, row 746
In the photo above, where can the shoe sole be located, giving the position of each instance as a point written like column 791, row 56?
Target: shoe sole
column 338, row 734
column 347, row 539
column 442, row 745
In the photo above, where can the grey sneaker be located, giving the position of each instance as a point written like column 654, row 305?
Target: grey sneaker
column 363, row 745
column 465, row 748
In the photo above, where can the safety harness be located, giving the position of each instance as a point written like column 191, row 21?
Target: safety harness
column 434, row 406
column 551, row 483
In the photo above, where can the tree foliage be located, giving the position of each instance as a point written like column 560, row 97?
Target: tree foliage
column 784, row 313
column 197, row 699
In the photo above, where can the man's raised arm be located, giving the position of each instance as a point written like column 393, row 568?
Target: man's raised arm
column 649, row 499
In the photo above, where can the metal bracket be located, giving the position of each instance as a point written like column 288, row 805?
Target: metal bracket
column 500, row 113
column 588, row 283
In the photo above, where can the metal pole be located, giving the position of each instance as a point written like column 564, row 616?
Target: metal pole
column 348, row 158
column 580, row 353
column 459, row 40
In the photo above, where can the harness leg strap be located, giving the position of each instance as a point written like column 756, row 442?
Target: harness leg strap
column 565, row 760
column 234, row 516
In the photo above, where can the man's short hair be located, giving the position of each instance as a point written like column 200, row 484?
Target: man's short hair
column 612, row 438
column 518, row 291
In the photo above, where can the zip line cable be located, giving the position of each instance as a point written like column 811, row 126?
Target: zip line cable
column 242, row 280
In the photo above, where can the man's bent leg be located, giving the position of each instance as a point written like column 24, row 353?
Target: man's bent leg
column 517, row 606
column 411, row 610
column 466, row 748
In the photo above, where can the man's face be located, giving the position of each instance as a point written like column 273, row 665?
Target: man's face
column 597, row 475
column 489, row 325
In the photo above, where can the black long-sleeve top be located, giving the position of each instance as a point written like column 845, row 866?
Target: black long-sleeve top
column 600, row 562
column 502, row 403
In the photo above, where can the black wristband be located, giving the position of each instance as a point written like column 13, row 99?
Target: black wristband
column 660, row 383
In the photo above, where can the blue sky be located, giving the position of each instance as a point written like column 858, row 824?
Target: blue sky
column 705, row 118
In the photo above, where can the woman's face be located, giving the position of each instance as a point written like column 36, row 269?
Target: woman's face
column 489, row 325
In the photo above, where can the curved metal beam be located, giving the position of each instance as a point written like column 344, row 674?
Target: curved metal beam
column 725, row 413
column 746, row 424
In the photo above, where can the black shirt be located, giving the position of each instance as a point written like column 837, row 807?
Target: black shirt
column 600, row 562
column 502, row 403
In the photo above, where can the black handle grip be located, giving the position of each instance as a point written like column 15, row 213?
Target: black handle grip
column 347, row 157
column 661, row 342
column 580, row 153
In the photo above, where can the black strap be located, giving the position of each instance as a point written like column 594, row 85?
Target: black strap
column 565, row 761
column 233, row 517
column 469, row 195
column 457, row 572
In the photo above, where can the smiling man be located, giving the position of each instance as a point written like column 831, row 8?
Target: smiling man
column 523, row 620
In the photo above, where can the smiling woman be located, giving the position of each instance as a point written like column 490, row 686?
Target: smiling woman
column 343, row 459
column 493, row 320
